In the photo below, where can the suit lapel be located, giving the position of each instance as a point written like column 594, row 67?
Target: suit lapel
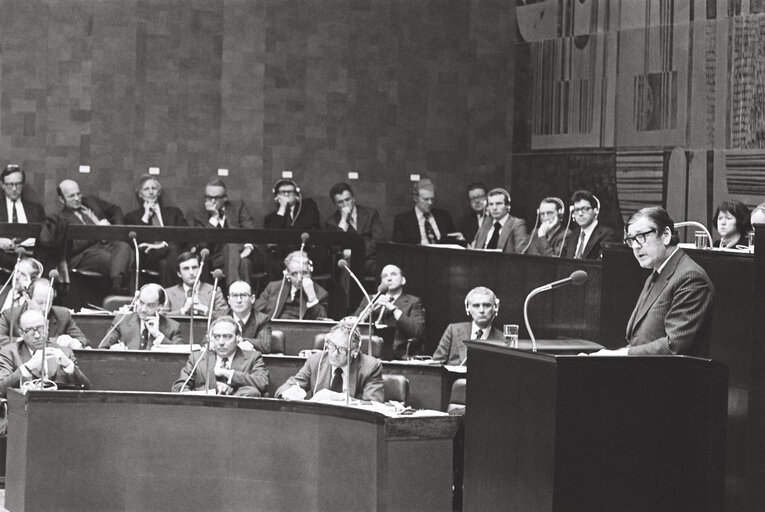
column 644, row 305
column 354, row 375
column 504, row 233
column 463, row 334
column 594, row 239
column 283, row 299
column 323, row 377
column 361, row 220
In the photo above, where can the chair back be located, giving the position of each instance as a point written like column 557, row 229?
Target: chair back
column 277, row 341
column 457, row 397
column 396, row 388
column 114, row 302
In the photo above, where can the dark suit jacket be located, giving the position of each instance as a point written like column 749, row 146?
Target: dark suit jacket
column 248, row 366
column 308, row 217
column 468, row 226
column 267, row 302
column 365, row 380
column 171, row 216
column 129, row 332
column 452, row 349
column 513, row 237
column 59, row 322
column 550, row 244
column 406, row 229
column 13, row 355
column 237, row 216
column 594, row 248
column 411, row 323
column 101, row 209
column 368, row 226
column 34, row 211
column 257, row 330
column 674, row 316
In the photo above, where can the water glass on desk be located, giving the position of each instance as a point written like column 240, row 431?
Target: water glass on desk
column 511, row 335
column 702, row 242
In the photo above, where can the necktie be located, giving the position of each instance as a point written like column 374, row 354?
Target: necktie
column 337, row 381
column 494, row 240
column 15, row 216
column 580, row 247
column 351, row 225
column 241, row 326
column 144, row 339
column 221, row 219
column 429, row 233
column 224, row 363
column 478, row 334
column 155, row 219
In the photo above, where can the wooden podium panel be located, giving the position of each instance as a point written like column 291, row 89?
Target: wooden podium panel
column 76, row 451
column 590, row 434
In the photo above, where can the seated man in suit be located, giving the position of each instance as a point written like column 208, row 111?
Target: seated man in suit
column 293, row 211
column 23, row 360
column 674, row 310
column 146, row 327
column 221, row 212
column 301, row 298
column 28, row 270
column 253, row 325
column 324, row 375
column 18, row 211
column 501, row 230
column 108, row 257
column 548, row 239
column 352, row 217
column 181, row 297
column 61, row 327
column 482, row 306
column 586, row 242
column 227, row 369
column 424, row 224
column 158, row 256
column 400, row 310
column 471, row 223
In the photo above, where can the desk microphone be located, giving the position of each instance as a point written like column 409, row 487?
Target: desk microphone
column 132, row 237
column 383, row 288
column 344, row 264
column 217, row 274
column 303, row 239
column 576, row 278
column 202, row 255
column 131, row 309
column 14, row 277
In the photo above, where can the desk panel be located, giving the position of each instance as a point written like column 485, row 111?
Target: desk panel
column 157, row 451
column 442, row 277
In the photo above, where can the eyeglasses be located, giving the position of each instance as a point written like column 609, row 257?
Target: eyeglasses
column 287, row 192
column 225, row 336
column 638, row 240
column 214, row 198
column 239, row 296
column 476, row 199
column 334, row 348
column 34, row 330
column 582, row 209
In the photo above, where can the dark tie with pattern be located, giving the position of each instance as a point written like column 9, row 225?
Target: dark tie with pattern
column 351, row 225
column 337, row 381
column 580, row 247
column 144, row 339
column 15, row 216
column 494, row 240
column 478, row 334
column 430, row 234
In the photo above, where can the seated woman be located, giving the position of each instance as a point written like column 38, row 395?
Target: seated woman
column 158, row 256
column 732, row 223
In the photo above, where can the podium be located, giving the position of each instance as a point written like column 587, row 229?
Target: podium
column 576, row 433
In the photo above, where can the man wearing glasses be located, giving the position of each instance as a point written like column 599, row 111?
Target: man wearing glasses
column 293, row 211
column 548, row 239
column 586, row 241
column 19, row 211
column 235, row 371
column 324, row 375
column 470, row 223
column 254, row 325
column 221, row 212
column 23, row 360
column 674, row 309
column 145, row 327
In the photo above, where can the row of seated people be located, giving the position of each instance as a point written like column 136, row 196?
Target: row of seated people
column 227, row 369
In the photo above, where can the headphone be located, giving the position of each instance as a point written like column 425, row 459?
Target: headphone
column 305, row 259
column 558, row 201
column 597, row 202
column 481, row 289
column 497, row 191
column 283, row 182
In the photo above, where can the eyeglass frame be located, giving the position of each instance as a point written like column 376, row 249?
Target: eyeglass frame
column 581, row 210
column 630, row 240
column 32, row 330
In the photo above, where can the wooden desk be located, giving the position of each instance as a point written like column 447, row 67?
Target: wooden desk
column 95, row 450
column 735, row 341
column 442, row 277
column 593, row 434
column 429, row 386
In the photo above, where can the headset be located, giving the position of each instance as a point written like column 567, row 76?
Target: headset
column 481, row 289
column 354, row 354
column 287, row 181
column 301, row 256
column 499, row 190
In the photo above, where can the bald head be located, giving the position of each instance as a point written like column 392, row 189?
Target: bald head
column 69, row 194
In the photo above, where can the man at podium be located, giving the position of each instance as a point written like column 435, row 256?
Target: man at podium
column 674, row 309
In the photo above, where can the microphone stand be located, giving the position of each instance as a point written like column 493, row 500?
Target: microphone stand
column 380, row 290
column 303, row 239
column 132, row 236
column 210, row 371
column 131, row 309
column 577, row 277
column 203, row 253
column 14, row 277
column 344, row 264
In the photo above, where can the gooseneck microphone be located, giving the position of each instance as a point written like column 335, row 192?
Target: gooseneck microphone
column 217, row 274
column 383, row 288
column 303, row 239
column 133, row 237
column 202, row 256
column 576, row 278
column 14, row 278
column 344, row 264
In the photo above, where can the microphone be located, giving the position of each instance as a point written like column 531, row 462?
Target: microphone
column 202, row 255
column 344, row 264
column 698, row 225
column 303, row 239
column 132, row 236
column 383, row 288
column 576, row 278
column 14, row 277
column 130, row 309
column 217, row 274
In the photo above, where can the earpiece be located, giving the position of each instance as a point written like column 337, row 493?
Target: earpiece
column 556, row 200
column 597, row 202
column 282, row 182
column 467, row 306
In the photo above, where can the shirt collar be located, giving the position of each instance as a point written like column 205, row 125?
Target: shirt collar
column 661, row 267
column 484, row 332
column 589, row 229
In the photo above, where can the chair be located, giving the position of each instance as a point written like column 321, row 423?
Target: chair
column 377, row 344
column 396, row 388
column 114, row 302
column 457, row 397
column 277, row 342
